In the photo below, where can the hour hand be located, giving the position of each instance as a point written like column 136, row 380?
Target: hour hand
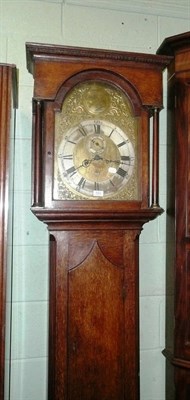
column 86, row 163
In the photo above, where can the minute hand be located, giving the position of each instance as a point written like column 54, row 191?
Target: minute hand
column 112, row 161
column 117, row 162
column 87, row 162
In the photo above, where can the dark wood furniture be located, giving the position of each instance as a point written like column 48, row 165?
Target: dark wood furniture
column 8, row 103
column 94, row 316
column 177, row 350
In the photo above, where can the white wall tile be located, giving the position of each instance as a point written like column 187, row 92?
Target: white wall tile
column 152, row 372
column 162, row 221
column 7, row 380
column 30, row 273
column 172, row 26
column 9, row 272
column 24, row 112
column 3, row 48
column 22, row 16
column 149, row 233
column 150, row 322
column 152, row 269
column 29, row 379
column 161, row 7
column 162, row 168
column 23, row 164
column 27, row 229
column 29, row 330
column 163, row 124
column 7, row 350
column 110, row 29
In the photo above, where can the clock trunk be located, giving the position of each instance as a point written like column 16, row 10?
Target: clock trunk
column 94, row 313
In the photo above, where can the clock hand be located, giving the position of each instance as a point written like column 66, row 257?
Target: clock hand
column 116, row 162
column 97, row 157
column 87, row 162
column 113, row 161
column 72, row 170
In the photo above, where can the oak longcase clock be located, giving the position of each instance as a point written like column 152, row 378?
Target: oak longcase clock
column 177, row 351
column 92, row 187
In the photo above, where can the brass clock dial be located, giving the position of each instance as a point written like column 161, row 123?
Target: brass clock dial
column 96, row 140
column 96, row 159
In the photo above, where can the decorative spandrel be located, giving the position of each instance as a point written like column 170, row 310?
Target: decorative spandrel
column 96, row 145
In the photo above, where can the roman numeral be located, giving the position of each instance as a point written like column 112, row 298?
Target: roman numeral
column 66, row 157
column 70, row 141
column 121, row 172
column 129, row 160
column 121, row 144
column 71, row 171
column 82, row 131
column 111, row 132
column 97, row 128
column 81, row 183
column 125, row 158
column 96, row 186
column 111, row 182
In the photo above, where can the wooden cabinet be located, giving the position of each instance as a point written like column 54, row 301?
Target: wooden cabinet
column 178, row 241
column 8, row 103
column 94, row 241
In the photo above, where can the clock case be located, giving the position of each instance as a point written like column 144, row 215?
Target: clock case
column 177, row 351
column 94, row 244
column 56, row 70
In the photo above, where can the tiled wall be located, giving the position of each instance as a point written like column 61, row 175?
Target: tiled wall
column 138, row 25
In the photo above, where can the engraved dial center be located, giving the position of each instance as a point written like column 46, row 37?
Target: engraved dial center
column 96, row 158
